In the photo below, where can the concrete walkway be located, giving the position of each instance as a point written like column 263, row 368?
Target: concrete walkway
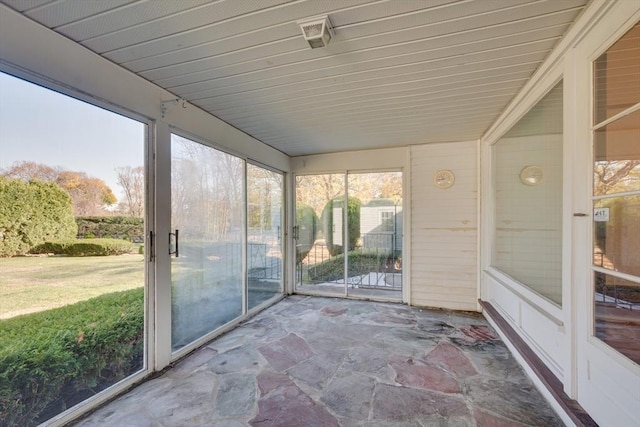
column 310, row 361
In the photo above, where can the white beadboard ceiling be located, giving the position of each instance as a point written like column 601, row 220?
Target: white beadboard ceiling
column 398, row 72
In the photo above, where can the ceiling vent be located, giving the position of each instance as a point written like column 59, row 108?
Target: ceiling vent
column 317, row 31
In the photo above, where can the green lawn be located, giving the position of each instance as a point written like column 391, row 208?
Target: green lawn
column 31, row 284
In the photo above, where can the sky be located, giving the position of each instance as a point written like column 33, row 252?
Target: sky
column 43, row 126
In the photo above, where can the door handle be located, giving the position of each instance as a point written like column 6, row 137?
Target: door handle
column 580, row 214
column 150, row 248
column 177, row 251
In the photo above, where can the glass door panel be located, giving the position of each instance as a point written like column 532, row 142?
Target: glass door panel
column 72, row 251
column 319, row 233
column 616, row 196
column 616, row 235
column 207, row 217
column 264, row 235
column 375, row 235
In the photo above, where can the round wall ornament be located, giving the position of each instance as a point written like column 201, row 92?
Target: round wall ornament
column 531, row 175
column 443, row 178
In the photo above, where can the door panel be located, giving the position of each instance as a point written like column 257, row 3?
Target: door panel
column 207, row 198
column 72, row 186
column 264, row 235
column 319, row 234
column 375, row 235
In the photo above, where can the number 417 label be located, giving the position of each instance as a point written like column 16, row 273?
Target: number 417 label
column 601, row 214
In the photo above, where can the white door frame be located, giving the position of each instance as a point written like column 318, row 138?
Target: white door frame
column 607, row 384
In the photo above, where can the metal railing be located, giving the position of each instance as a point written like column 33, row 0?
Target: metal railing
column 375, row 263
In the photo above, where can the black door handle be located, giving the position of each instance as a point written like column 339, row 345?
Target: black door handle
column 177, row 251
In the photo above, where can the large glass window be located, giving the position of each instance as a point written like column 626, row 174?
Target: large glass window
column 527, row 171
column 72, row 270
column 616, row 195
column 207, row 197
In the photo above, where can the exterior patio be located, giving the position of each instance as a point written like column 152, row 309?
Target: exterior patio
column 312, row 361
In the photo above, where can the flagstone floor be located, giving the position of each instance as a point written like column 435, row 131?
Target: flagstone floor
column 312, row 361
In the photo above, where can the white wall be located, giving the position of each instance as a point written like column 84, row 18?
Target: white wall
column 444, row 227
column 440, row 226
column 364, row 160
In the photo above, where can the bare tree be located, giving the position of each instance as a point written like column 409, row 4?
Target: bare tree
column 131, row 179
column 27, row 171
column 616, row 175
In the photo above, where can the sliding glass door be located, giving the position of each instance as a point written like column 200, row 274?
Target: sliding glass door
column 222, row 265
column 264, row 235
column 355, row 250
column 207, row 240
column 375, row 235
column 73, row 256
column 318, row 233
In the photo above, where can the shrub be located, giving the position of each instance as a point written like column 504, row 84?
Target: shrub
column 89, row 247
column 360, row 263
column 353, row 219
column 52, row 360
column 113, row 227
column 32, row 213
column 307, row 223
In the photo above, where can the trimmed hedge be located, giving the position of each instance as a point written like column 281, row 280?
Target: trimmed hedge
column 88, row 247
column 113, row 227
column 353, row 219
column 52, row 360
column 32, row 213
column 307, row 222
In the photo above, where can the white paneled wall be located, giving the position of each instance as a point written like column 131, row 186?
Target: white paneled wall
column 444, row 227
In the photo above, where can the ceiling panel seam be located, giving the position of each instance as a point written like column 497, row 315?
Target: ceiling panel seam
column 413, row 42
column 392, row 70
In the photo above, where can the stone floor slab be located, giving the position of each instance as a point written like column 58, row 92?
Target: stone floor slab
column 237, row 394
column 349, row 395
column 398, row 403
column 312, row 361
column 282, row 403
column 286, row 352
